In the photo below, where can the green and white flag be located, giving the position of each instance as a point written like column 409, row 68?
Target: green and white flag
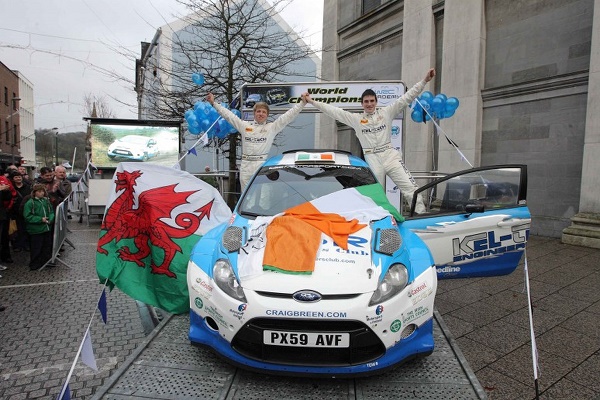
column 154, row 217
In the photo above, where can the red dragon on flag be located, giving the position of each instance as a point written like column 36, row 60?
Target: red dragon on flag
column 154, row 218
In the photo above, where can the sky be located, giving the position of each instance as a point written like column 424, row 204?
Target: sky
column 70, row 48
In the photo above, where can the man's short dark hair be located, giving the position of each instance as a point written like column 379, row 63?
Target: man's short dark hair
column 45, row 170
column 368, row 92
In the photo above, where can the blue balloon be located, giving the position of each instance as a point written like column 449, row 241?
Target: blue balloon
column 417, row 115
column 237, row 112
column 200, row 105
column 437, row 105
column 452, row 104
column 194, row 130
column 426, row 104
column 204, row 125
column 417, row 106
column 198, row 78
column 442, row 96
column 449, row 113
column 188, row 113
column 426, row 96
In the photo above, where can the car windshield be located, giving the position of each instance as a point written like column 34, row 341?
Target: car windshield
column 134, row 139
column 277, row 188
column 254, row 97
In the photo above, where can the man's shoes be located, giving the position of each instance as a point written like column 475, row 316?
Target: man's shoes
column 34, row 268
column 2, row 267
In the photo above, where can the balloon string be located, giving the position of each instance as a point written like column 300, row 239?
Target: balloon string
column 439, row 129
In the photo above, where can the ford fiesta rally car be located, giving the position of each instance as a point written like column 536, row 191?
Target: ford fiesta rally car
column 361, row 300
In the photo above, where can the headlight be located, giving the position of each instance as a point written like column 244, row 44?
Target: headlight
column 225, row 279
column 393, row 282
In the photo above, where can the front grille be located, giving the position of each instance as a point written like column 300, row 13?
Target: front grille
column 364, row 346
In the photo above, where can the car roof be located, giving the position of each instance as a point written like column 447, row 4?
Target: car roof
column 340, row 158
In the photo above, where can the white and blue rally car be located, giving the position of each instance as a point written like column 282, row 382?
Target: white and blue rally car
column 366, row 306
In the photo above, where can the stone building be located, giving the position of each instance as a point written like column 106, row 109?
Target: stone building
column 527, row 76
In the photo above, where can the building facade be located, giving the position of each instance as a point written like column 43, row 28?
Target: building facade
column 26, row 144
column 9, row 116
column 527, row 78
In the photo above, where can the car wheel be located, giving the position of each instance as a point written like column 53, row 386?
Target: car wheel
column 145, row 157
column 111, row 157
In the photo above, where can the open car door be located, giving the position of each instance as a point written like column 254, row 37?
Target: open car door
column 477, row 221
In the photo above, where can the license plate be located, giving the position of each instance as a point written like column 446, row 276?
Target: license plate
column 312, row 339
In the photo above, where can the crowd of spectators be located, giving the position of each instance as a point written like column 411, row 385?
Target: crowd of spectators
column 27, row 208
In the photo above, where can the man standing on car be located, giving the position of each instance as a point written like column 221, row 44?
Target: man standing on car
column 257, row 136
column 373, row 129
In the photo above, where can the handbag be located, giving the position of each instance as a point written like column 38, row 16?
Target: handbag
column 12, row 226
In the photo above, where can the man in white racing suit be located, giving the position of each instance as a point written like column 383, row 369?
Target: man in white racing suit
column 373, row 129
column 257, row 136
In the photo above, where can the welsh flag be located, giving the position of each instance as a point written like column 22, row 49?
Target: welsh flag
column 292, row 239
column 154, row 217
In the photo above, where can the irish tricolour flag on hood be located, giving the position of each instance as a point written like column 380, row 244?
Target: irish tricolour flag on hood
column 154, row 217
column 292, row 239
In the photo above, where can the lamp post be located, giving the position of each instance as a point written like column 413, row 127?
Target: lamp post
column 55, row 145
column 13, row 129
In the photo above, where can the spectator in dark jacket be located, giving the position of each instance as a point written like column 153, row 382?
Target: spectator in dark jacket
column 20, row 239
column 7, row 196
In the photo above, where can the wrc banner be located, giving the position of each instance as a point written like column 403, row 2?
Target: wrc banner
column 154, row 217
column 283, row 96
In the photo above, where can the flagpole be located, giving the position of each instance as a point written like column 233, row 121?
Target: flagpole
column 62, row 391
column 199, row 139
column 534, row 353
column 462, row 156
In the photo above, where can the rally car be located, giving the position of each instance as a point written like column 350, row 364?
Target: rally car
column 133, row 148
column 359, row 298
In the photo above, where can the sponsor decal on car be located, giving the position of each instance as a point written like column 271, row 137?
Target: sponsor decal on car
column 448, row 270
column 419, row 293
column 305, row 314
column 198, row 302
column 485, row 244
column 216, row 315
column 415, row 314
column 378, row 316
column 396, row 325
column 203, row 288
column 239, row 313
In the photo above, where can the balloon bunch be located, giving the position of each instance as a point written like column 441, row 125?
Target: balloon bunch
column 204, row 118
column 439, row 107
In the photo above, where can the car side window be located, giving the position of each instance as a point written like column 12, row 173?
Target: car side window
column 489, row 189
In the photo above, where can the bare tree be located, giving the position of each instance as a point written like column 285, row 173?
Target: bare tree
column 231, row 42
column 99, row 103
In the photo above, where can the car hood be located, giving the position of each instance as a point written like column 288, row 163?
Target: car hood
column 125, row 146
column 336, row 270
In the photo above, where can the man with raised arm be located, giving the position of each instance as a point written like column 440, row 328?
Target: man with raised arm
column 257, row 136
column 373, row 128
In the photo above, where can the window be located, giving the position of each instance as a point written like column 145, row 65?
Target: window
column 5, row 95
column 6, row 131
column 369, row 5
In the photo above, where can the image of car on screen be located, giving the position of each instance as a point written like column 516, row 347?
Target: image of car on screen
column 133, row 147
column 253, row 99
column 317, row 273
column 275, row 96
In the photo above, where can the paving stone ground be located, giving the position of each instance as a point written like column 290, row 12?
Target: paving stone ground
column 47, row 315
column 48, row 312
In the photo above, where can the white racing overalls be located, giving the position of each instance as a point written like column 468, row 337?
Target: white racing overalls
column 256, row 138
column 374, row 133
